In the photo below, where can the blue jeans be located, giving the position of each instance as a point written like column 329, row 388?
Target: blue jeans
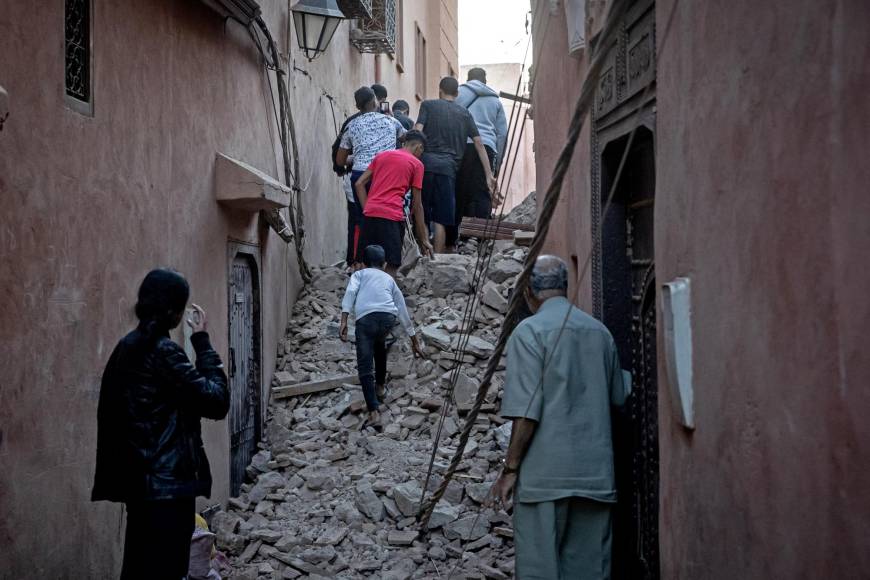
column 372, row 331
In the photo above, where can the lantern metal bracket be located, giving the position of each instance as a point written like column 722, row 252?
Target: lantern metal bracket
column 242, row 11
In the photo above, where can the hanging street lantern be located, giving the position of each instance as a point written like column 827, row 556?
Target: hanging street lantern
column 315, row 22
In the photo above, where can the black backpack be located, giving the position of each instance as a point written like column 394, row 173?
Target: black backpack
column 336, row 145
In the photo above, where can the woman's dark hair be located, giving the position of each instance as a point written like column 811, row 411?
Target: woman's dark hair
column 162, row 296
column 374, row 256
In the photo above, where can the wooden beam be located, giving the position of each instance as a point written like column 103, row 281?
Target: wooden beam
column 491, row 223
column 517, row 98
column 314, row 386
column 486, row 229
column 523, row 238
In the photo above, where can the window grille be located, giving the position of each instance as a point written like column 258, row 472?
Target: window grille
column 356, row 8
column 77, row 38
column 377, row 34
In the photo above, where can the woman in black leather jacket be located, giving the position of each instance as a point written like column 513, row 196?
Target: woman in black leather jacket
column 149, row 449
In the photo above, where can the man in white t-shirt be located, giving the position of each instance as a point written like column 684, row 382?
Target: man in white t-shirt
column 376, row 301
column 368, row 134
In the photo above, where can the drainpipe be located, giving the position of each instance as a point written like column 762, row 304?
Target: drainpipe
column 378, row 79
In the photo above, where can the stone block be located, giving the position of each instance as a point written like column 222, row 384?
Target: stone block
column 407, row 497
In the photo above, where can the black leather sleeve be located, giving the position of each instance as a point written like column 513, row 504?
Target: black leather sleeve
column 202, row 389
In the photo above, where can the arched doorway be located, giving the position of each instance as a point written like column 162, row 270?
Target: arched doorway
column 624, row 278
column 243, row 365
column 628, row 308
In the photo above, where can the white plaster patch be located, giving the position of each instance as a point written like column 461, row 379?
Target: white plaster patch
column 677, row 313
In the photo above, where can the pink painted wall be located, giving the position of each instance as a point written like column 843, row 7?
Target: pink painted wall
column 90, row 204
column 556, row 81
column 762, row 200
column 762, row 177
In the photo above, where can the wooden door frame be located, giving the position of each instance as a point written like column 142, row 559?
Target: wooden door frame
column 627, row 85
column 629, row 67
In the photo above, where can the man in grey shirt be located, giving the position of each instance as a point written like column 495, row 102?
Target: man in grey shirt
column 447, row 127
column 563, row 376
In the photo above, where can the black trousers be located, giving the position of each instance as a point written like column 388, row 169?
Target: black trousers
column 472, row 191
column 372, row 332
column 157, row 541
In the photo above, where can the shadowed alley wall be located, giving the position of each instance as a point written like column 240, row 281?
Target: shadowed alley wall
column 761, row 199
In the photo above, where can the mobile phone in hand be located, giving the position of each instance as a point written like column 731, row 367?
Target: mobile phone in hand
column 385, row 107
column 193, row 317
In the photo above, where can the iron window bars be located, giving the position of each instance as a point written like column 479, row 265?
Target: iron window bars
column 77, row 49
column 377, row 34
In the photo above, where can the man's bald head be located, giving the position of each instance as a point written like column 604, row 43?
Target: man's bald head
column 549, row 277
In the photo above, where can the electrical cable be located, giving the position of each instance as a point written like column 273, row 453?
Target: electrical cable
column 481, row 269
column 288, row 140
column 482, row 264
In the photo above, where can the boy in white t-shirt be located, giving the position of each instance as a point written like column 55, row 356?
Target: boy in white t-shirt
column 376, row 301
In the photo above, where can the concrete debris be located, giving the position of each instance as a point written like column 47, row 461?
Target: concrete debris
column 526, row 212
column 443, row 514
column 432, row 334
column 470, row 527
column 479, row 347
column 493, row 298
column 407, row 497
column 330, row 496
column 479, row 492
column 504, row 270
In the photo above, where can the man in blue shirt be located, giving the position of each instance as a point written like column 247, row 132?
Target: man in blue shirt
column 473, row 198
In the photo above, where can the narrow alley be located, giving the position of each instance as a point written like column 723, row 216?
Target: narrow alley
column 434, row 289
column 332, row 497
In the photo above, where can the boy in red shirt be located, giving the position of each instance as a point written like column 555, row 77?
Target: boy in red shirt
column 392, row 174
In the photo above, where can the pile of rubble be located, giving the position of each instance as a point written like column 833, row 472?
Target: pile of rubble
column 526, row 212
column 331, row 497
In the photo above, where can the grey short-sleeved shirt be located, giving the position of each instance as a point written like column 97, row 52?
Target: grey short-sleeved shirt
column 571, row 453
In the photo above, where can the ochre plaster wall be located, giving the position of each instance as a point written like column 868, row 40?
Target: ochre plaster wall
column 90, row 204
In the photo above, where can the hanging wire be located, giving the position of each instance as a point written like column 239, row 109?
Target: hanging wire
column 484, row 257
column 287, row 129
column 481, row 270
